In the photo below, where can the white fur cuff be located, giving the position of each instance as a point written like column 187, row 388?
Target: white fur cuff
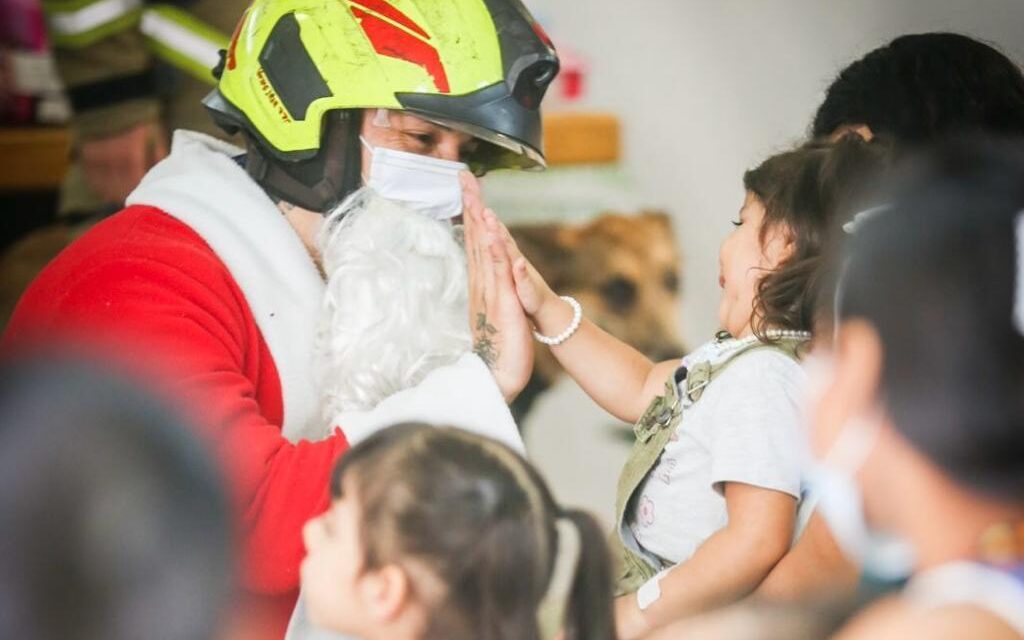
column 463, row 395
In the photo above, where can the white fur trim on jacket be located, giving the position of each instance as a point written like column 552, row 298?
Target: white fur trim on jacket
column 461, row 395
column 200, row 184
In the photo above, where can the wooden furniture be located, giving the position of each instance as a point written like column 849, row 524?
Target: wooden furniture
column 581, row 138
column 36, row 158
column 33, row 158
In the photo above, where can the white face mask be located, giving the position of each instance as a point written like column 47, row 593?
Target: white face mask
column 426, row 185
column 880, row 555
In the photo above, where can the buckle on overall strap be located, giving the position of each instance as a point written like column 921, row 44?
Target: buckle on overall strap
column 660, row 414
column 697, row 379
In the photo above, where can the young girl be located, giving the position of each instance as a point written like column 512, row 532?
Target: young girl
column 438, row 534
column 708, row 499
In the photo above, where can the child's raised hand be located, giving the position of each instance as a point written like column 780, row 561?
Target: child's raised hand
column 533, row 291
column 539, row 301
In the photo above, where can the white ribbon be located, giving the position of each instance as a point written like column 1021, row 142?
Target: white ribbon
column 863, row 216
column 551, row 612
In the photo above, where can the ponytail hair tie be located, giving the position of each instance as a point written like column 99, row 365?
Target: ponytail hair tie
column 552, row 608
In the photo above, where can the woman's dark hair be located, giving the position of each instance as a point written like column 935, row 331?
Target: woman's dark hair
column 482, row 521
column 937, row 274
column 805, row 193
column 921, row 87
column 113, row 521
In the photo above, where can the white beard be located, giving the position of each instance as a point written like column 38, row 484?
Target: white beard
column 395, row 306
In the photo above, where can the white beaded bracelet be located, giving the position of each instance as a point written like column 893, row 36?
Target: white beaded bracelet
column 577, row 318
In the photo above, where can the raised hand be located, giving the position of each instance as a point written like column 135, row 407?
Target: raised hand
column 502, row 335
column 549, row 313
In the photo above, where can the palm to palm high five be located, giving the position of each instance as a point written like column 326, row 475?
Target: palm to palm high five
column 501, row 332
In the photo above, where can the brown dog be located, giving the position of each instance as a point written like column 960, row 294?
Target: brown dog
column 625, row 272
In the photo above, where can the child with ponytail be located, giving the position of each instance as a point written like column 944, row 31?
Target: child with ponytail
column 438, row 534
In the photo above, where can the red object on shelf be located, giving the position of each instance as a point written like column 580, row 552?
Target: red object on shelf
column 572, row 78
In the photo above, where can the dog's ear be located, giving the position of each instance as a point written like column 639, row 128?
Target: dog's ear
column 657, row 218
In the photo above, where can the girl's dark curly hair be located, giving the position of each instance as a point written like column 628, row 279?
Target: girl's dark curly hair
column 807, row 192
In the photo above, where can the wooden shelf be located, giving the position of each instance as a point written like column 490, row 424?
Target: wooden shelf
column 36, row 158
column 33, row 158
column 581, row 138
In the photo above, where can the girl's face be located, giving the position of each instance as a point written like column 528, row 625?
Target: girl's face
column 743, row 262
column 331, row 571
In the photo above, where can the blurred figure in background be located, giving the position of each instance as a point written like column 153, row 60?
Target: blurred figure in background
column 924, row 86
column 918, row 422
column 113, row 521
column 134, row 71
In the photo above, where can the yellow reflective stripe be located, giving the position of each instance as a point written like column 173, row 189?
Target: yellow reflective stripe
column 185, row 42
column 76, row 22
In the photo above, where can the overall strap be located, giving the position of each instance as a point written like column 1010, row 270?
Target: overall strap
column 653, row 431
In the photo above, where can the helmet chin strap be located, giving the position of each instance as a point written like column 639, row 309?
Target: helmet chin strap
column 322, row 182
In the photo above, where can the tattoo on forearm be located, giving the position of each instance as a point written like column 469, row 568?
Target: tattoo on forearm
column 483, row 344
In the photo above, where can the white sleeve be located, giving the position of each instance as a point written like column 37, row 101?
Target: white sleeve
column 757, row 436
column 463, row 394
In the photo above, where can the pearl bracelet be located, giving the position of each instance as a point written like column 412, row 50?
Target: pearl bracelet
column 577, row 318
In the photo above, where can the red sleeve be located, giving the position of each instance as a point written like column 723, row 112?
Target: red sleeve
column 194, row 323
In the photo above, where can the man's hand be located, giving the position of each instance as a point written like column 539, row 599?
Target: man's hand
column 113, row 166
column 501, row 333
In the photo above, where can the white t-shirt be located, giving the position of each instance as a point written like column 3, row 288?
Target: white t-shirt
column 746, row 427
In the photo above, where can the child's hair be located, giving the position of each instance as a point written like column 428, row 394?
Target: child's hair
column 482, row 522
column 921, row 87
column 114, row 522
column 806, row 192
column 938, row 274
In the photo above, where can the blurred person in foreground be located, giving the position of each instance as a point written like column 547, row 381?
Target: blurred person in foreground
column 913, row 91
column 114, row 522
column 918, row 423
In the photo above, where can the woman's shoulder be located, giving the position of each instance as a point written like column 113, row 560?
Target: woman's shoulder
column 895, row 618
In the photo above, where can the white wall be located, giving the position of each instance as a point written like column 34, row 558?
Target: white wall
column 708, row 88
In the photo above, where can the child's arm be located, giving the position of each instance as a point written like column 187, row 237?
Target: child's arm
column 728, row 566
column 615, row 375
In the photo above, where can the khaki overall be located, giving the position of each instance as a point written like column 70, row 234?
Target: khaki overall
column 653, row 431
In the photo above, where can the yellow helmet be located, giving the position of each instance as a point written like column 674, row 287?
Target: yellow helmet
column 298, row 73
